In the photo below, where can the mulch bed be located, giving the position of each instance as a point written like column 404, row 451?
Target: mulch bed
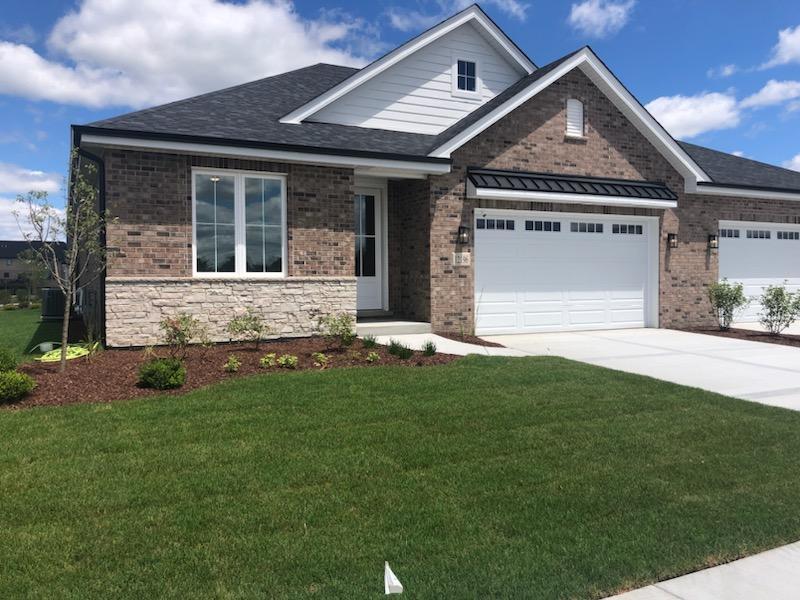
column 470, row 339
column 753, row 336
column 113, row 374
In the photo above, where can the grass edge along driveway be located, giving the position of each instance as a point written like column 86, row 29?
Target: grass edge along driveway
column 489, row 477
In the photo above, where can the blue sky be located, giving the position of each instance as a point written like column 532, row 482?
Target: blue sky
column 720, row 73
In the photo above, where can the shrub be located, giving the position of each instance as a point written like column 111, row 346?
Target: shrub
column 780, row 308
column 429, row 348
column 10, row 307
column 373, row 357
column 14, row 386
column 5, row 297
column 249, row 327
column 337, row 327
column 321, row 360
column 162, row 374
column 180, row 331
column 232, row 364
column 287, row 361
column 394, row 347
column 267, row 361
column 726, row 299
column 369, row 341
column 403, row 352
column 8, row 360
column 23, row 297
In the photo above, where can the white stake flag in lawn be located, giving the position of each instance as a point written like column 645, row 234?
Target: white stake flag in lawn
column 390, row 581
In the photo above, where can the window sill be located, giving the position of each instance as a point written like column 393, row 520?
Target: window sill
column 576, row 139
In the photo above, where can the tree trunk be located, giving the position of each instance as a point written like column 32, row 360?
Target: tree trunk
column 65, row 328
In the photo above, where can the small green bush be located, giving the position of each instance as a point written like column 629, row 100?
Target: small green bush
column 321, row 360
column 5, row 297
column 249, row 327
column 287, row 361
column 429, row 348
column 8, row 360
column 780, row 308
column 232, row 364
column 394, row 347
column 369, row 341
column 10, row 307
column 180, row 331
column 373, row 357
column 337, row 327
column 23, row 297
column 267, row 361
column 162, row 374
column 403, row 352
column 726, row 299
column 14, row 386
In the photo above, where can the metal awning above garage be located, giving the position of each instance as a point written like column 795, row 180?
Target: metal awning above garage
column 571, row 189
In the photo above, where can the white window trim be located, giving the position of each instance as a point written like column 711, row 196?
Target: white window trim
column 239, row 225
column 567, row 132
column 458, row 93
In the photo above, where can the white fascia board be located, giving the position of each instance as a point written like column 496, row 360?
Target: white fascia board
column 389, row 165
column 472, row 13
column 523, row 196
column 712, row 190
column 588, row 62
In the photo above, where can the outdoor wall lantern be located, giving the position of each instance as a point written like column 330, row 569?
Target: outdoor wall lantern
column 713, row 241
column 463, row 235
column 672, row 240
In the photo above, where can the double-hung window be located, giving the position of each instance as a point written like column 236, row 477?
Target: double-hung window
column 239, row 224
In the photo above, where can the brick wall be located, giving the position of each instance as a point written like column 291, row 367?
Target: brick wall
column 409, row 249
column 531, row 138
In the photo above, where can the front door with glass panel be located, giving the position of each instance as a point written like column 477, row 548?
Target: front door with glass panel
column 368, row 251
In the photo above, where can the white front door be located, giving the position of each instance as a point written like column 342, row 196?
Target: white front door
column 758, row 255
column 564, row 272
column 369, row 248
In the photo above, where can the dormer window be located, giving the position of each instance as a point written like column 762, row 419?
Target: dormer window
column 575, row 118
column 466, row 83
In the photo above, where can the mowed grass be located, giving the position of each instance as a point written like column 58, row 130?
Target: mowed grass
column 23, row 328
column 489, row 477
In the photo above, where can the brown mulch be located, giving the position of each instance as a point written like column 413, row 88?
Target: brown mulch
column 753, row 336
column 469, row 339
column 113, row 374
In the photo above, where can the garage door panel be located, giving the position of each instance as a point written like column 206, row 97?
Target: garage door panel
column 560, row 280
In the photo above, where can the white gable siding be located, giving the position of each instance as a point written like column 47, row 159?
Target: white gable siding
column 416, row 94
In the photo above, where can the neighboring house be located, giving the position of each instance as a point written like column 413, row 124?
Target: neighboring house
column 13, row 270
column 451, row 181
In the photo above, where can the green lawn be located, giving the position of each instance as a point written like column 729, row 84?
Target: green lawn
column 489, row 477
column 22, row 329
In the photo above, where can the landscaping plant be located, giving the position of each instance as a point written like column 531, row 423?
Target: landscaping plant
column 287, row 361
column 232, row 364
column 780, row 308
column 726, row 299
column 429, row 348
column 249, row 327
column 23, row 298
column 267, row 361
column 373, row 357
column 162, row 373
column 8, row 360
column 337, row 327
column 369, row 341
column 180, row 331
column 403, row 352
column 321, row 360
column 14, row 386
column 5, row 297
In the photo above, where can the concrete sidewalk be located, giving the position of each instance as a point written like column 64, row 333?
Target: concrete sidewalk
column 446, row 345
column 771, row 575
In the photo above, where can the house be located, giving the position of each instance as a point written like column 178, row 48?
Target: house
column 453, row 181
column 16, row 272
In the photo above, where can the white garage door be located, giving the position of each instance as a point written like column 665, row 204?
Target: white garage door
column 558, row 271
column 758, row 255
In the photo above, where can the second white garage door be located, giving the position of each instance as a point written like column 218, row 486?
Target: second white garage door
column 560, row 272
column 758, row 255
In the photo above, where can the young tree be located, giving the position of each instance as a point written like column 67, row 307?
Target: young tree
column 81, row 225
column 32, row 271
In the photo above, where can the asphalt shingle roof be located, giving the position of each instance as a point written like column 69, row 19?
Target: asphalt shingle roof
column 12, row 248
column 251, row 113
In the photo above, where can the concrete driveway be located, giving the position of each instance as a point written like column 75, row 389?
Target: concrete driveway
column 765, row 373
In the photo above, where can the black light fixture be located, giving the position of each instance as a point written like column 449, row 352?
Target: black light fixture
column 672, row 240
column 463, row 235
column 713, row 241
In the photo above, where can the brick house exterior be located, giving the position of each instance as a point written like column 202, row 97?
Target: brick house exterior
column 148, row 174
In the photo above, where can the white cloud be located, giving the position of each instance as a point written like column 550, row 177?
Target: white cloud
column 143, row 52
column 774, row 92
column 793, row 106
column 689, row 116
column 13, row 224
column 600, row 18
column 793, row 163
column 24, row 34
column 18, row 180
column 722, row 71
column 413, row 20
column 739, row 153
column 787, row 50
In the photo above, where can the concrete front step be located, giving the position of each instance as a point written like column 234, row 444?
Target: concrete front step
column 379, row 327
